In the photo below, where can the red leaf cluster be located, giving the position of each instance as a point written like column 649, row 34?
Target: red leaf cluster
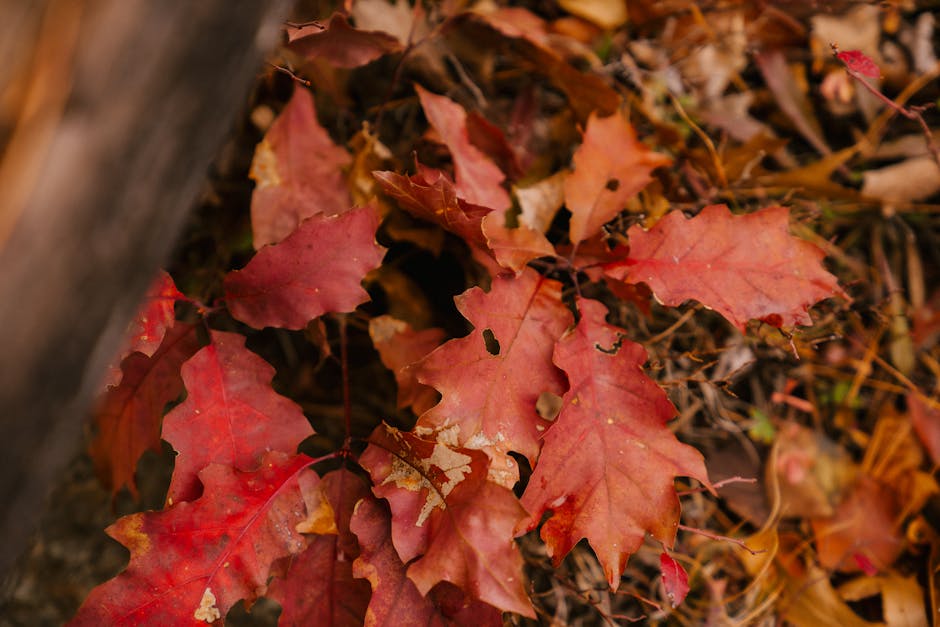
column 419, row 526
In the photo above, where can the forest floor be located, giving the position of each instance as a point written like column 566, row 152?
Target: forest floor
column 836, row 427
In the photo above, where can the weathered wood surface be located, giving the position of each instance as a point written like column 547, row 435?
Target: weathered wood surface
column 110, row 114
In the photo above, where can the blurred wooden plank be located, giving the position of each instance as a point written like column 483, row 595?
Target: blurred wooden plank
column 110, row 113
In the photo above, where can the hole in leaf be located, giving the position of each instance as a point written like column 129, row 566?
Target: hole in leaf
column 548, row 405
column 492, row 344
column 613, row 185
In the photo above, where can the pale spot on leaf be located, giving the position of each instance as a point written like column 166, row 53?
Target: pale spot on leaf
column 207, row 611
column 264, row 166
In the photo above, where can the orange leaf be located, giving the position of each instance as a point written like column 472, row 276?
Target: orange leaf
column 610, row 168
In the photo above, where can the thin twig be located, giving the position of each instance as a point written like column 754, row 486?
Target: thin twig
column 718, row 485
column 290, row 72
column 911, row 113
column 299, row 25
column 344, row 363
column 715, row 536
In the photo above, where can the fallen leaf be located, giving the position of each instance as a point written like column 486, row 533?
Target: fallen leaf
column 491, row 379
column 231, row 414
column 514, row 248
column 608, row 14
column 610, row 167
column 863, row 523
column 448, row 521
column 926, row 421
column 431, row 196
column 892, row 183
column 400, row 348
column 901, row 598
column 398, row 18
column 316, row 270
column 128, row 417
column 192, row 562
column 478, row 180
column 343, row 46
column 609, row 462
column 588, row 94
column 791, row 99
column 539, row 202
column 744, row 267
column 298, row 173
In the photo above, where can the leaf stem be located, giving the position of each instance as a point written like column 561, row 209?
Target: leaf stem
column 715, row 536
column 911, row 113
column 292, row 74
column 344, row 364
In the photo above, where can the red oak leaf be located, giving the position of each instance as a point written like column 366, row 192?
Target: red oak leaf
column 128, row 418
column 858, row 61
column 448, row 520
column 192, row 562
column 317, row 587
column 400, row 347
column 316, row 270
column 157, row 314
column 431, row 196
column 610, row 167
column 516, row 247
column 478, row 178
column 341, row 45
column 491, row 379
column 743, row 267
column 675, row 579
column 609, row 461
column 145, row 332
column 231, row 414
column 395, row 598
column 298, row 173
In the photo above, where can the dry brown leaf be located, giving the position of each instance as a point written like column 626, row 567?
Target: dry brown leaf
column 540, row 202
column 910, row 180
column 901, row 598
column 605, row 13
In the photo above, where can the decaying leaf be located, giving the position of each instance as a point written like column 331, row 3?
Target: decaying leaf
column 491, row 379
column 448, row 520
column 478, row 178
column 343, row 46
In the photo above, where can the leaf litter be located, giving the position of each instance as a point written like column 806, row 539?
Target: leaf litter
column 860, row 384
